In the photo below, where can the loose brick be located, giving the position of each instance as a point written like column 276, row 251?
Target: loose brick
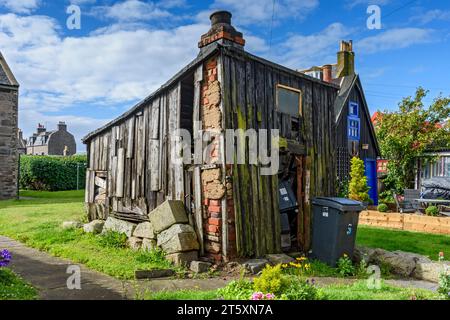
column 214, row 208
column 213, row 229
column 215, row 221
column 215, row 202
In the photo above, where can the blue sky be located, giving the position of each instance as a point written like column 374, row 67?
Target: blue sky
column 126, row 49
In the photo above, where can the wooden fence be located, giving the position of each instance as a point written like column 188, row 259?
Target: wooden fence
column 407, row 222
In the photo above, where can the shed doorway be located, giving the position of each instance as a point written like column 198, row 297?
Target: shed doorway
column 294, row 223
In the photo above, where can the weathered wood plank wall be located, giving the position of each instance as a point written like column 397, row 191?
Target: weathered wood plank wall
column 249, row 102
column 135, row 154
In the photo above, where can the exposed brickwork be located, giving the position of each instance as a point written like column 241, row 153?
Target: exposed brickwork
column 212, row 179
column 8, row 143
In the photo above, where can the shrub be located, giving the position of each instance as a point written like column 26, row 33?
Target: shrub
column 358, row 188
column 432, row 211
column 113, row 239
column 52, row 173
column 237, row 290
column 345, row 266
column 444, row 285
column 300, row 289
column 272, row 280
column 342, row 188
column 382, row 207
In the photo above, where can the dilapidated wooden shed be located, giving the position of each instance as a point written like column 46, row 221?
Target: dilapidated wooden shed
column 235, row 208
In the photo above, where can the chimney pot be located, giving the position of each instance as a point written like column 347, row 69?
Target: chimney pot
column 220, row 17
column 222, row 31
column 327, row 73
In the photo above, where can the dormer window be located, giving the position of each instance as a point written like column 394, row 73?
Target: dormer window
column 353, row 109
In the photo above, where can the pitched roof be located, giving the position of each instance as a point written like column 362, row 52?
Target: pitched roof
column 204, row 54
column 6, row 76
column 347, row 84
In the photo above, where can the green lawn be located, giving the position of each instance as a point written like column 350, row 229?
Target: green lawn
column 12, row 287
column 356, row 291
column 37, row 223
column 422, row 243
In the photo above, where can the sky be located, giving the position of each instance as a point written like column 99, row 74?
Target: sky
column 124, row 50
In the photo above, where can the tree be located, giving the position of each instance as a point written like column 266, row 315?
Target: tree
column 358, row 188
column 406, row 134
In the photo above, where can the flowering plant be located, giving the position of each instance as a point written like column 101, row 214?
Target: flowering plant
column 300, row 267
column 262, row 296
column 441, row 256
column 5, row 258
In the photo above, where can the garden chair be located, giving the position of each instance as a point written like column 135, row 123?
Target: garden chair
column 444, row 210
column 408, row 203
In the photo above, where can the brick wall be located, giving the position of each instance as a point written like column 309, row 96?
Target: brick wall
column 8, row 144
column 213, row 180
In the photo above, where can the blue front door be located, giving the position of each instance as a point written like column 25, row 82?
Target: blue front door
column 371, row 174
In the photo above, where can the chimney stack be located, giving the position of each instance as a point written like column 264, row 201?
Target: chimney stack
column 62, row 126
column 346, row 60
column 40, row 128
column 222, row 32
column 327, row 73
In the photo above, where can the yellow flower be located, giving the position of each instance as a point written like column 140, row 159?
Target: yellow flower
column 345, row 255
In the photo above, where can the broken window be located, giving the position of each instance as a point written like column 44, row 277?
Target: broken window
column 289, row 100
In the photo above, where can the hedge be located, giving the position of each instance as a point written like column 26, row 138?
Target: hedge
column 52, row 173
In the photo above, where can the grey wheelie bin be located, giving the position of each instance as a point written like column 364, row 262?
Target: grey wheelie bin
column 335, row 221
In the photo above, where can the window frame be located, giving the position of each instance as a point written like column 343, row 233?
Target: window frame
column 352, row 104
column 300, row 99
column 351, row 137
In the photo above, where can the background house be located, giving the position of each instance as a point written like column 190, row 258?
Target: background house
column 355, row 134
column 58, row 142
column 8, row 131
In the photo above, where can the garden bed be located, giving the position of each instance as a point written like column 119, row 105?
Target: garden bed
column 407, row 222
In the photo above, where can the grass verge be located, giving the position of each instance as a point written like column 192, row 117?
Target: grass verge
column 36, row 222
column 356, row 291
column 12, row 287
column 422, row 243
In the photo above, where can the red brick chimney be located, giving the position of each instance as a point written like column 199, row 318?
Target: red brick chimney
column 222, row 31
column 327, row 73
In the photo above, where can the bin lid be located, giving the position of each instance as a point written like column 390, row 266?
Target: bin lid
column 341, row 204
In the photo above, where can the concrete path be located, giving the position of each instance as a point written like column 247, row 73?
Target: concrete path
column 49, row 275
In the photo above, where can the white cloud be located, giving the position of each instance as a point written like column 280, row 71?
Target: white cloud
column 431, row 15
column 20, row 6
column 250, row 11
column 303, row 51
column 105, row 68
column 353, row 3
column 81, row 2
column 132, row 10
column 394, row 39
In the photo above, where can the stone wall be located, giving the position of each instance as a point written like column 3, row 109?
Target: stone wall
column 8, row 143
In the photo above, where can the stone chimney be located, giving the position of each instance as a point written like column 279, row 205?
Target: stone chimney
column 346, row 60
column 222, row 32
column 40, row 129
column 62, row 126
column 327, row 73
